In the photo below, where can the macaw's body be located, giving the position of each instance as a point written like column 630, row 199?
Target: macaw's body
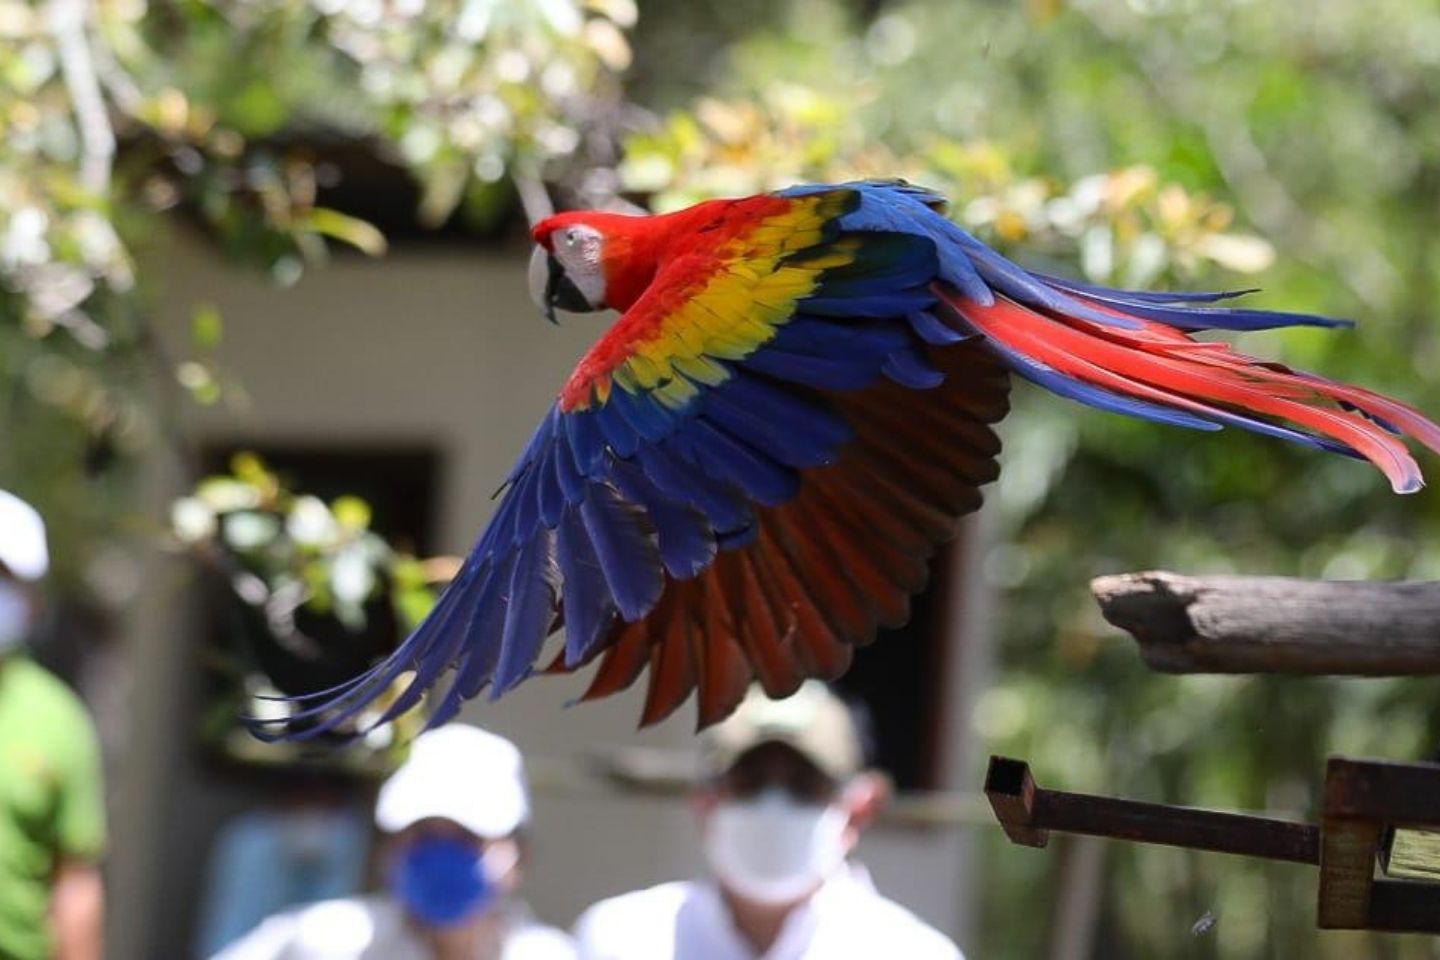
column 749, row 472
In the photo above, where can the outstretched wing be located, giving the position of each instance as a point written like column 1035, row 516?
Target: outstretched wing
column 743, row 478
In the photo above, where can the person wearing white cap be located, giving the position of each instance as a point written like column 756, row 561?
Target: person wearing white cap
column 52, row 812
column 783, row 801
column 455, row 815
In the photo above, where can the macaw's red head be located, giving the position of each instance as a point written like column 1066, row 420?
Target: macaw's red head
column 588, row 260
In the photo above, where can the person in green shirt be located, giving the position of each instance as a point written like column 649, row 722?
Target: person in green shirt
column 52, row 821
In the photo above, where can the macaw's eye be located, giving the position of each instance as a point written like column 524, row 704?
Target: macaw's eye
column 572, row 237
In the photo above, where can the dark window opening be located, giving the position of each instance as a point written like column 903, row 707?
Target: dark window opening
column 308, row 649
column 897, row 684
column 399, row 483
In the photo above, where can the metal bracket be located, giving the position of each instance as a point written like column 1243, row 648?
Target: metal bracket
column 1364, row 801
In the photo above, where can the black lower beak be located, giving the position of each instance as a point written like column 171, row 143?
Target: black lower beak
column 561, row 293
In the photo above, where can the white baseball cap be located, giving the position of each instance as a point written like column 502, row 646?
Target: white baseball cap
column 458, row 773
column 22, row 538
column 812, row 721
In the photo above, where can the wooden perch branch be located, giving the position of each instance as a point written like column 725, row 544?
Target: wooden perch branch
column 1233, row 624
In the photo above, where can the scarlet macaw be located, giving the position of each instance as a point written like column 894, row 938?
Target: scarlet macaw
column 749, row 471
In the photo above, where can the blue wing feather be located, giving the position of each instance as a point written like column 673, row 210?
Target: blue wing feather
column 681, row 480
column 528, row 613
column 572, row 482
column 481, row 644
column 550, row 490
column 443, row 645
column 909, row 368
column 586, row 442
column 808, row 370
column 979, row 272
column 618, row 434
column 628, row 554
column 736, row 462
column 1143, row 296
column 858, row 340
column 931, row 330
column 787, row 430
column 683, row 533
column 586, row 596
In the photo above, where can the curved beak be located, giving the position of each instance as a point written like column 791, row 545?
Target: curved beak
column 550, row 288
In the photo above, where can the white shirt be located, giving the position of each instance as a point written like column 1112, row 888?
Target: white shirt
column 689, row 920
column 374, row 928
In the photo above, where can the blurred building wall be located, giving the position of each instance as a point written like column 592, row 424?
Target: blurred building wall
column 439, row 346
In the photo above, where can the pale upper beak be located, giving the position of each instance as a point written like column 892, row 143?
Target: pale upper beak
column 550, row 288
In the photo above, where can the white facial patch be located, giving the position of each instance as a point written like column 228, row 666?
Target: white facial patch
column 577, row 247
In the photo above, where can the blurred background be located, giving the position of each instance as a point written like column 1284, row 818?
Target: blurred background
column 266, row 350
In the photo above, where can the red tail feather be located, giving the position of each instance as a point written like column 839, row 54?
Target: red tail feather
column 1161, row 365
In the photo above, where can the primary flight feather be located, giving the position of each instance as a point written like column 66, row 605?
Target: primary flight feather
column 748, row 473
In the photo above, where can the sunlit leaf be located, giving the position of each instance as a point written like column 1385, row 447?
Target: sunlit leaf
column 347, row 229
column 206, row 326
column 352, row 514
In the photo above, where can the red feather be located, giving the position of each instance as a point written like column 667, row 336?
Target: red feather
column 1161, row 364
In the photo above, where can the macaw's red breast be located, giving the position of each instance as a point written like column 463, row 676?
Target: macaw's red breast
column 656, row 267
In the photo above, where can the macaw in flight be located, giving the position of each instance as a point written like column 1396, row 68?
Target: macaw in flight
column 748, row 473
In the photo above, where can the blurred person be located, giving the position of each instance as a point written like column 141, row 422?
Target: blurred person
column 454, row 816
column 52, row 815
column 783, row 801
column 311, row 843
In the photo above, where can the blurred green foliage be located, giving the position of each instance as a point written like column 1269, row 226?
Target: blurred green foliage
column 116, row 113
column 308, row 594
column 294, row 549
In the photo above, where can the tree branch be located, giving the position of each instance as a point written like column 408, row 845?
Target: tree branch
column 1234, row 624
column 69, row 22
column 533, row 197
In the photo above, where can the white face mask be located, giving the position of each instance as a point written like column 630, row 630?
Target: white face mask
column 14, row 615
column 772, row 849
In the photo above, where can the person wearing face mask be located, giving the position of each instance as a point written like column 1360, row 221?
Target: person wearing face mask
column 454, row 816
column 782, row 803
column 52, row 814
